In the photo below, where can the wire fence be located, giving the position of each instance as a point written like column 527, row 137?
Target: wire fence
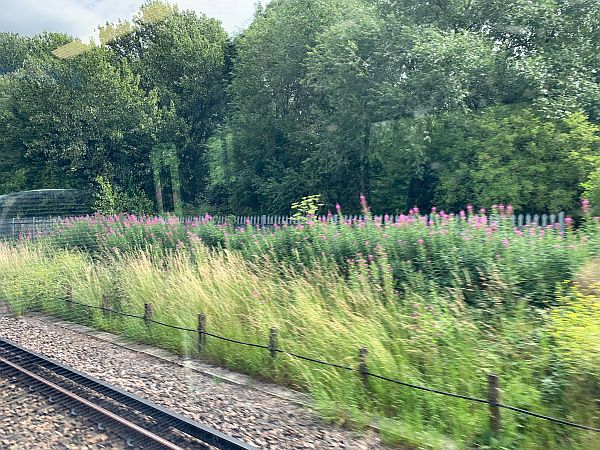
column 46, row 202
column 493, row 400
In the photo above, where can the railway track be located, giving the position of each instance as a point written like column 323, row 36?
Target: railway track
column 140, row 423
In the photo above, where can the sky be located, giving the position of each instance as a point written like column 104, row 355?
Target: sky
column 81, row 17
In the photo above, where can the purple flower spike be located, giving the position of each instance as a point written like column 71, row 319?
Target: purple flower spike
column 585, row 205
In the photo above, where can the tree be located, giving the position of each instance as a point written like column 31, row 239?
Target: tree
column 381, row 83
column 17, row 171
column 15, row 49
column 511, row 155
column 13, row 169
column 271, row 121
column 84, row 117
column 183, row 57
column 409, row 102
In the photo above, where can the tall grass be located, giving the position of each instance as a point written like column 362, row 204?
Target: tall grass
column 426, row 335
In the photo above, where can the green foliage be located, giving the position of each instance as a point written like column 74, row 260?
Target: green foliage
column 106, row 197
column 273, row 131
column 587, row 156
column 86, row 117
column 98, row 112
column 307, row 208
column 15, row 49
column 483, row 263
column 111, row 200
column 511, row 155
column 445, row 102
column 183, row 58
column 354, row 106
column 405, row 101
column 575, row 327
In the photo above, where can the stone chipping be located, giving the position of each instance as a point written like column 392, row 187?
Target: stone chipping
column 265, row 420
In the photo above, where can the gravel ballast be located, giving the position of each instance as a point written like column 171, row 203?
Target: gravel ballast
column 260, row 419
column 28, row 421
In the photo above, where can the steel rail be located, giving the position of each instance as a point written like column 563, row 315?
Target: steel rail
column 201, row 432
column 145, row 434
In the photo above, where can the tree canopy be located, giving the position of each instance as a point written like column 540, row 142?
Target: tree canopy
column 439, row 103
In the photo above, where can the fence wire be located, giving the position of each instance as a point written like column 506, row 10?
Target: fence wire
column 348, row 368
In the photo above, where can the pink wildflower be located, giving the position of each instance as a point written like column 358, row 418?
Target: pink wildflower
column 585, row 205
column 363, row 203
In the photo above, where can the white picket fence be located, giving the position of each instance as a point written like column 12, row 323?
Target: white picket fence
column 35, row 226
column 519, row 220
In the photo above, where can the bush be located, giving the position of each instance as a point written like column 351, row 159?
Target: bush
column 482, row 260
column 113, row 200
column 575, row 327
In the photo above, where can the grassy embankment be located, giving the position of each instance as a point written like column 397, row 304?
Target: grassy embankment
column 440, row 305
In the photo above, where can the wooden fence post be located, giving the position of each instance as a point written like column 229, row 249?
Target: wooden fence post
column 362, row 365
column 201, row 330
column 147, row 313
column 273, row 342
column 69, row 299
column 494, row 400
column 105, row 305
